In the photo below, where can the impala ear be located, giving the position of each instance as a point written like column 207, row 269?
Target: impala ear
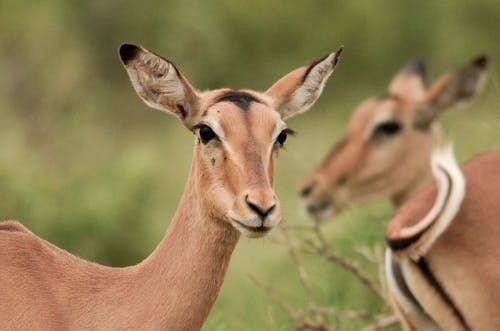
column 452, row 89
column 159, row 84
column 409, row 83
column 296, row 92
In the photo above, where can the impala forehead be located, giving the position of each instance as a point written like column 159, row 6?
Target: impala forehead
column 236, row 125
column 371, row 113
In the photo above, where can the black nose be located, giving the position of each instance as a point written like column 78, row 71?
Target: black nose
column 262, row 212
column 306, row 191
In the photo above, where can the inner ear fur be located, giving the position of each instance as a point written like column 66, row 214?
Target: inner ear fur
column 158, row 82
column 297, row 91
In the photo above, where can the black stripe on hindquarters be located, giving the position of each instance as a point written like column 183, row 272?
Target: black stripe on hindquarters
column 434, row 282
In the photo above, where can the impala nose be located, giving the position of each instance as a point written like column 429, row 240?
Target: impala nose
column 263, row 212
column 306, row 191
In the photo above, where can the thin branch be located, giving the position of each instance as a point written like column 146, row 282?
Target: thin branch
column 325, row 251
column 382, row 324
column 303, row 277
column 314, row 317
column 310, row 325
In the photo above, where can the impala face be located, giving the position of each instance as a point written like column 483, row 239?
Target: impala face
column 382, row 154
column 238, row 133
column 388, row 144
column 238, row 138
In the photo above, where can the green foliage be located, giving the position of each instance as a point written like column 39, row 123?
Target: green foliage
column 85, row 165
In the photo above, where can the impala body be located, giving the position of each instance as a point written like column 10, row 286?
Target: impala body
column 443, row 257
column 443, row 273
column 229, row 192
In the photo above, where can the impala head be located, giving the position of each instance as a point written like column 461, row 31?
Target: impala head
column 386, row 150
column 237, row 133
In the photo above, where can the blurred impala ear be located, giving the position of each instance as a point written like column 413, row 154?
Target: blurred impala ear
column 296, row 92
column 409, row 83
column 453, row 89
column 158, row 83
column 459, row 86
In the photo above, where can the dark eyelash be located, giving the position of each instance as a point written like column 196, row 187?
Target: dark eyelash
column 197, row 126
column 290, row 132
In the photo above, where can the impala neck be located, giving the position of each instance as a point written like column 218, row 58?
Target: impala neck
column 420, row 179
column 183, row 276
column 421, row 171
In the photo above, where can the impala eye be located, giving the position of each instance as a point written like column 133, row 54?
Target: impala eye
column 389, row 128
column 283, row 135
column 206, row 133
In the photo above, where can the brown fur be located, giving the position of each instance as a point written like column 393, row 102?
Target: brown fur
column 464, row 259
column 43, row 287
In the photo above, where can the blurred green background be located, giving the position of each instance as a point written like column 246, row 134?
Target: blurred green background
column 85, row 165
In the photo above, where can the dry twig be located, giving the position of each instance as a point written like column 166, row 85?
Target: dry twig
column 311, row 240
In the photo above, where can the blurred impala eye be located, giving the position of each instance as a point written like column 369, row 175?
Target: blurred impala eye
column 387, row 129
column 206, row 133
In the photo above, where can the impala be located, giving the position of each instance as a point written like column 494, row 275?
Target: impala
column 443, row 256
column 389, row 141
column 229, row 192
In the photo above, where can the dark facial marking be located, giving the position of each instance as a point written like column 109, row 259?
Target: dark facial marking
column 240, row 99
column 212, row 161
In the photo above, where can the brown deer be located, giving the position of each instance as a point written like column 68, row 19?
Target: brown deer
column 443, row 256
column 230, row 191
column 389, row 141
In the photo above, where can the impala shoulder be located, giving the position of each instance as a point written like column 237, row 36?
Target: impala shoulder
column 482, row 165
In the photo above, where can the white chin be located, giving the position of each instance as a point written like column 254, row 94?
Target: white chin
column 249, row 232
column 319, row 214
column 324, row 213
column 303, row 208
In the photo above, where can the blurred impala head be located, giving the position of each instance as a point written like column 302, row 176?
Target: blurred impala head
column 389, row 140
